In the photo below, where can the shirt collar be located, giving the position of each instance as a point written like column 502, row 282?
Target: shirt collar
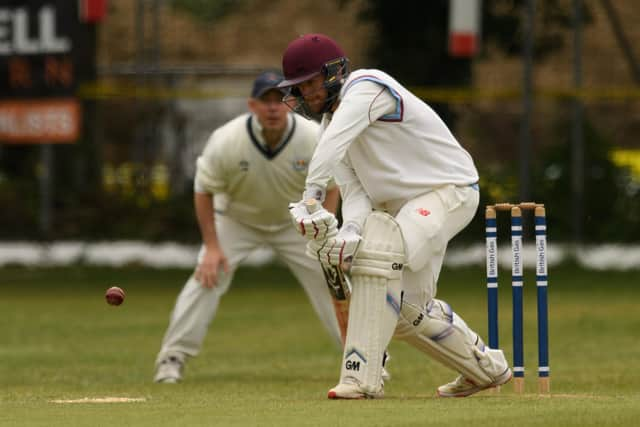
column 257, row 132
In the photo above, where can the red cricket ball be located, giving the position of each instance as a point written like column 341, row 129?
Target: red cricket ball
column 114, row 295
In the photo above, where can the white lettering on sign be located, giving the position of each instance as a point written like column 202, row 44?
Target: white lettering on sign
column 16, row 37
column 39, row 121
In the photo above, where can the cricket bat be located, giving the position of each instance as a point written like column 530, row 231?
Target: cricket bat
column 338, row 284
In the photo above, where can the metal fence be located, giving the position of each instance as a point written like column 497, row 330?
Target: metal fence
column 147, row 118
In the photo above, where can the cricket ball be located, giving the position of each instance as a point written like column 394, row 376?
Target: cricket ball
column 114, row 295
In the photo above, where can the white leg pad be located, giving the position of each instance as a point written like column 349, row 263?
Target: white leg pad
column 442, row 334
column 375, row 303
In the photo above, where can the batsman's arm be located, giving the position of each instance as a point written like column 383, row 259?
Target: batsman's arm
column 356, row 204
column 347, row 123
column 332, row 199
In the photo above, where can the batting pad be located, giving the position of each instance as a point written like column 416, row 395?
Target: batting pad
column 375, row 302
column 442, row 334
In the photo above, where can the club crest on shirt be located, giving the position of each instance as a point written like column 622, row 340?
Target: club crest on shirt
column 243, row 165
column 300, row 164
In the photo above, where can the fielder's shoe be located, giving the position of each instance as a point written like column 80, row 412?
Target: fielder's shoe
column 169, row 370
column 354, row 391
column 462, row 386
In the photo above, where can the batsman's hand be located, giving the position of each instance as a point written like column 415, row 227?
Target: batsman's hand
column 338, row 249
column 208, row 268
column 312, row 220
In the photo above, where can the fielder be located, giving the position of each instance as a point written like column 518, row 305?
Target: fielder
column 259, row 162
column 408, row 187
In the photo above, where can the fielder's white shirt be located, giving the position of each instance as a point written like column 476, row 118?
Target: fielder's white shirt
column 258, row 183
column 383, row 145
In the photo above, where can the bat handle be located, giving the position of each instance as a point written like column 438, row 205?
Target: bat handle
column 346, row 264
column 312, row 205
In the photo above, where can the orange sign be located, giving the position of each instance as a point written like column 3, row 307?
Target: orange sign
column 39, row 121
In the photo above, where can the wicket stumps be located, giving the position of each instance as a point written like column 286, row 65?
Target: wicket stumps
column 517, row 283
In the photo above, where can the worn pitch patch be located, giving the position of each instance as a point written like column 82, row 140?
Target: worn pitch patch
column 101, row 400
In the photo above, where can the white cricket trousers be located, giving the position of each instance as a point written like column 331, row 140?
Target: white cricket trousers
column 428, row 222
column 196, row 306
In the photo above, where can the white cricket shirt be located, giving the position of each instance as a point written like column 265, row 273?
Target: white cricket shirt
column 385, row 142
column 258, row 183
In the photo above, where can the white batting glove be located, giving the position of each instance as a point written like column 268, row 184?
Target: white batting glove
column 314, row 246
column 337, row 250
column 312, row 220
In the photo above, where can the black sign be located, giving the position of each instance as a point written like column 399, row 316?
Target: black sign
column 37, row 48
column 45, row 51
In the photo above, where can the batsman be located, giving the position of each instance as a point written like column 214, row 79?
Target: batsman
column 408, row 187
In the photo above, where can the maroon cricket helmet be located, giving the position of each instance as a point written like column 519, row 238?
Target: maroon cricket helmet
column 307, row 56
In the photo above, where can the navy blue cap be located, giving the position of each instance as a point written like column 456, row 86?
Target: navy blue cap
column 265, row 82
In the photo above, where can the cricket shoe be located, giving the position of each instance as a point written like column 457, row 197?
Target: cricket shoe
column 169, row 370
column 386, row 375
column 352, row 390
column 462, row 387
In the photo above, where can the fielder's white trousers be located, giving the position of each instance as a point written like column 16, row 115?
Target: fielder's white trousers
column 196, row 306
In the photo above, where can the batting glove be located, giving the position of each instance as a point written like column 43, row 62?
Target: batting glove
column 314, row 246
column 316, row 225
column 339, row 249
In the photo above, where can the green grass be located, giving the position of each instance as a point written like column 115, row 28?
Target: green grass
column 268, row 362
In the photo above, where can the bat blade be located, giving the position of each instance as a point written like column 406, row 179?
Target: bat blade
column 337, row 281
column 340, row 290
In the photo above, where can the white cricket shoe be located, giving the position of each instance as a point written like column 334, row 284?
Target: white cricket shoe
column 462, row 387
column 169, row 370
column 386, row 375
column 354, row 391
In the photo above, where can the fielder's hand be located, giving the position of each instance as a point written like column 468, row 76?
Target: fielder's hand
column 208, row 268
column 337, row 250
column 312, row 220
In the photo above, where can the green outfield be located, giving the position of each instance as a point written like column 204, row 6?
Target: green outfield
column 268, row 362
